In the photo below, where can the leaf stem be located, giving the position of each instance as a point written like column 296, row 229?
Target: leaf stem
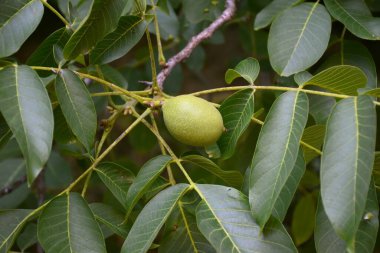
column 152, row 63
column 161, row 57
column 67, row 24
column 163, row 151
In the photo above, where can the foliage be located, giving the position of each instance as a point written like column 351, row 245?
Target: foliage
column 87, row 164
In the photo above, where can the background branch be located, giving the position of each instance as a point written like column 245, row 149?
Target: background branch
column 195, row 41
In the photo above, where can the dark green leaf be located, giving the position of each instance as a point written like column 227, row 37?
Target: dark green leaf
column 237, row 111
column 327, row 241
column 313, row 136
column 5, row 132
column 347, row 163
column 342, row 79
column 185, row 238
column 28, row 237
column 18, row 20
column 303, row 219
column 152, row 218
column 58, row 172
column 77, row 106
column 26, row 107
column 274, row 161
column 286, row 196
column 231, row 177
column 11, row 223
column 320, row 106
column 44, row 55
column 248, row 69
column 110, row 217
column 224, row 218
column 168, row 24
column 198, row 11
column 146, row 176
column 68, row 225
column 266, row 15
column 102, row 19
column 129, row 31
column 298, row 38
column 356, row 17
column 116, row 178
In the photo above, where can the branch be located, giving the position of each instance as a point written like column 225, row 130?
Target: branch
column 195, row 41
column 10, row 188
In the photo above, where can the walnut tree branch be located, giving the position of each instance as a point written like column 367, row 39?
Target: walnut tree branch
column 195, row 41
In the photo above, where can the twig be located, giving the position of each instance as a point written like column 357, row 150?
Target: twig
column 12, row 187
column 195, row 41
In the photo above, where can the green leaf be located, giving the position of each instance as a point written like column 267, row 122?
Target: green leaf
column 28, row 237
column 286, row 196
column 347, row 163
column 266, row 15
column 327, row 241
column 274, row 161
column 230, row 177
column 77, row 106
column 58, row 174
column 152, row 218
column 314, row 136
column 303, row 219
column 224, row 218
column 102, row 19
column 342, row 79
column 374, row 92
column 138, row 7
column 18, row 20
column 117, row 179
column 44, row 54
column 67, row 225
column 144, row 179
column 111, row 218
column 128, row 33
column 302, row 77
column 26, row 107
column 356, row 17
column 248, row 69
column 168, row 23
column 5, row 132
column 320, row 106
column 298, row 38
column 197, row 11
column 11, row 223
column 237, row 111
column 186, row 238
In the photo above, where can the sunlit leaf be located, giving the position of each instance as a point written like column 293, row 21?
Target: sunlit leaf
column 276, row 152
column 313, row 136
column 347, row 163
column 26, row 107
column 342, row 79
column 298, row 38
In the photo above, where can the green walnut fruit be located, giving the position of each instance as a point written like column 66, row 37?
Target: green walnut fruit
column 192, row 120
